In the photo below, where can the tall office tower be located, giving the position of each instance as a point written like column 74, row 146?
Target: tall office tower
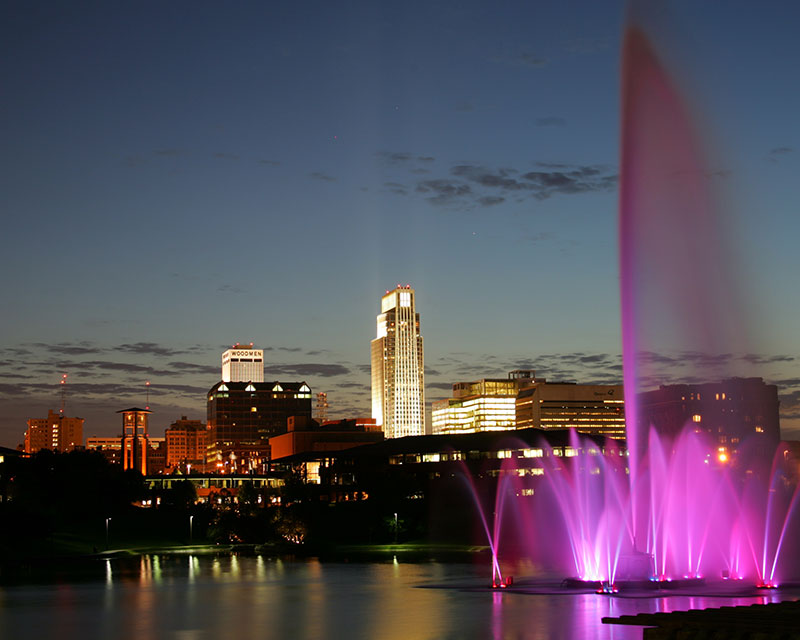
column 398, row 379
column 242, row 363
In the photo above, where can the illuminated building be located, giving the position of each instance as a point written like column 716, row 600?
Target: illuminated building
column 398, row 384
column 134, row 439
column 55, row 432
column 730, row 411
column 484, row 405
column 589, row 408
column 156, row 455
column 111, row 448
column 242, row 363
column 242, row 416
column 186, row 442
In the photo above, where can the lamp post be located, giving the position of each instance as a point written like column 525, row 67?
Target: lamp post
column 107, row 521
column 395, row 528
column 190, row 528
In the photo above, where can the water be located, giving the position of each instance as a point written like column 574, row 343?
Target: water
column 204, row 597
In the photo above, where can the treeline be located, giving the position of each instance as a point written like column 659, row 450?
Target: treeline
column 77, row 503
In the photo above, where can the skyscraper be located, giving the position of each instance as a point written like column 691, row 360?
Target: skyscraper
column 242, row 363
column 398, row 380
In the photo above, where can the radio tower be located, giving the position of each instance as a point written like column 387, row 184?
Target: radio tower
column 63, row 393
column 322, row 407
column 147, row 401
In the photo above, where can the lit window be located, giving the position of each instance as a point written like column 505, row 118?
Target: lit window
column 253, row 409
column 697, row 417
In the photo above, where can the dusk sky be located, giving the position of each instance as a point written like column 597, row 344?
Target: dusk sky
column 176, row 177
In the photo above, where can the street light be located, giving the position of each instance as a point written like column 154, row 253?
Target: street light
column 395, row 528
column 107, row 521
column 190, row 528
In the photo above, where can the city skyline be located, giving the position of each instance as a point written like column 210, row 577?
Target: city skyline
column 179, row 178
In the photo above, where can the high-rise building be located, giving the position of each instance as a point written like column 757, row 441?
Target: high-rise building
column 56, row 432
column 242, row 363
column 483, row 405
column 398, row 380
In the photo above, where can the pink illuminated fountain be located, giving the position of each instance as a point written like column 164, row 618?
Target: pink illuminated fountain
column 668, row 509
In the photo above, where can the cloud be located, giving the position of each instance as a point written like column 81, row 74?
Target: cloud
column 774, row 155
column 170, row 153
column 472, row 184
column 444, row 191
column 229, row 288
column 321, row 176
column 70, row 349
column 396, row 187
column 306, row 370
column 550, row 121
column 225, row 156
column 126, row 367
column 192, row 367
column 444, row 386
column 488, row 201
column 270, row 163
column 149, row 348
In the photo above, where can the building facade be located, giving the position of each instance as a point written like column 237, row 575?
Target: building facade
column 597, row 409
column 186, row 442
column 243, row 416
column 135, row 439
column 56, row 432
column 484, row 405
column 397, row 363
column 111, row 448
column 730, row 412
column 243, row 363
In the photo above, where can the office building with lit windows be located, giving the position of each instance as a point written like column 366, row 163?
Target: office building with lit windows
column 484, row 405
column 398, row 379
column 242, row 363
column 56, row 432
column 186, row 443
column 731, row 412
column 243, row 416
column 597, row 409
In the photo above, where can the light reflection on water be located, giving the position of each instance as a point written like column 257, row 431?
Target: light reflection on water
column 204, row 597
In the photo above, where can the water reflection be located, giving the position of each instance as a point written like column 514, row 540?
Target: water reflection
column 204, row 597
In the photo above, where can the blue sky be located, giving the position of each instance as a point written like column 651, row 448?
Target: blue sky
column 177, row 178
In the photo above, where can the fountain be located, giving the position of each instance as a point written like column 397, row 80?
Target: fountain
column 669, row 509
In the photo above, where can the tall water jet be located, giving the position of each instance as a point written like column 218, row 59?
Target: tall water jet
column 678, row 299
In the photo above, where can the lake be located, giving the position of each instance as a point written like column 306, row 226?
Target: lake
column 200, row 597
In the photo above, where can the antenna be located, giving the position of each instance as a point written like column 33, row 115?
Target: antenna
column 63, row 392
column 322, row 407
column 147, row 402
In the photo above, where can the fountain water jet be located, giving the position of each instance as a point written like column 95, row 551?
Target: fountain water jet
column 678, row 504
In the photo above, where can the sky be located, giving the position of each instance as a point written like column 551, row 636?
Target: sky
column 176, row 177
